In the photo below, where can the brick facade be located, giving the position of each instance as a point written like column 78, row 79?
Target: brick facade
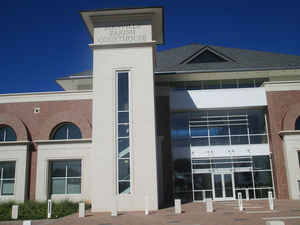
column 283, row 110
column 38, row 126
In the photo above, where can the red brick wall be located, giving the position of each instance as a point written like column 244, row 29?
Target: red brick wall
column 32, row 127
column 283, row 110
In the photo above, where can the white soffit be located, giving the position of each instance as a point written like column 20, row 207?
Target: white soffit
column 220, row 98
column 91, row 19
column 74, row 84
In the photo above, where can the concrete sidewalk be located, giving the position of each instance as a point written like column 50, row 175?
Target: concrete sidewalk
column 226, row 213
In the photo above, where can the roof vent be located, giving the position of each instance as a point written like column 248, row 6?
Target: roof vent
column 206, row 56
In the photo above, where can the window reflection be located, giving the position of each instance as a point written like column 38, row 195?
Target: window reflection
column 213, row 84
column 65, row 131
column 234, row 127
column 252, row 175
column 65, row 177
column 7, row 134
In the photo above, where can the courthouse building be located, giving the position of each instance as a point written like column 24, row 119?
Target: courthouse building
column 192, row 122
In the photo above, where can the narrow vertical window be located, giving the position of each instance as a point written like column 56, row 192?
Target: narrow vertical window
column 123, row 142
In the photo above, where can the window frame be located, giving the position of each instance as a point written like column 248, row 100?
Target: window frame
column 60, row 126
column 7, row 179
column 119, row 156
column 5, row 126
column 226, row 120
column 297, row 123
column 65, row 177
column 298, row 153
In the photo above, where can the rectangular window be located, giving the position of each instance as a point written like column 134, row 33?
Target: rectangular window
column 65, row 177
column 299, row 157
column 123, row 140
column 7, row 178
column 214, row 84
column 234, row 127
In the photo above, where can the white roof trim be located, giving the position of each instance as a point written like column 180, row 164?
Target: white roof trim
column 282, row 85
column 46, row 96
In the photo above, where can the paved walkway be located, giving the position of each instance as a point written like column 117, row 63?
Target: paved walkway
column 226, row 213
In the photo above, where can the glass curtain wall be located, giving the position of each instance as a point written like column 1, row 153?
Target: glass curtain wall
column 181, row 155
column 193, row 177
column 227, row 128
column 252, row 176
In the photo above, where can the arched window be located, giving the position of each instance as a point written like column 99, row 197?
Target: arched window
column 297, row 124
column 65, row 131
column 7, row 133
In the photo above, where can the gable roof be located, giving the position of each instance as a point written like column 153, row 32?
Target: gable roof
column 206, row 55
column 176, row 60
column 173, row 60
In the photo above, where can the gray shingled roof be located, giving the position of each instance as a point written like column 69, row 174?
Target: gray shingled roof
column 86, row 73
column 174, row 60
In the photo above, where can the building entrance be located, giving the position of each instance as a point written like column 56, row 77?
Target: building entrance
column 222, row 178
column 218, row 154
column 223, row 186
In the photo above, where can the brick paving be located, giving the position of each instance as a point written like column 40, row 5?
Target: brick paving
column 226, row 213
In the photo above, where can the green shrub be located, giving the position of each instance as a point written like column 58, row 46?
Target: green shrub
column 63, row 208
column 33, row 210
column 5, row 210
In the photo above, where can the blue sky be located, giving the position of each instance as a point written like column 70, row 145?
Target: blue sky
column 44, row 40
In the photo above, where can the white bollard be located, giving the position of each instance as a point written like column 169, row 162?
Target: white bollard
column 240, row 201
column 15, row 212
column 27, row 222
column 81, row 209
column 271, row 200
column 275, row 222
column 177, row 206
column 49, row 209
column 146, row 205
column 209, row 205
column 114, row 211
column 247, row 194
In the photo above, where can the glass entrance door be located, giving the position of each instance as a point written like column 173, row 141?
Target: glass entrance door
column 223, row 186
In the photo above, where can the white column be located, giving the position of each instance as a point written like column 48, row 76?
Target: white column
column 124, row 47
